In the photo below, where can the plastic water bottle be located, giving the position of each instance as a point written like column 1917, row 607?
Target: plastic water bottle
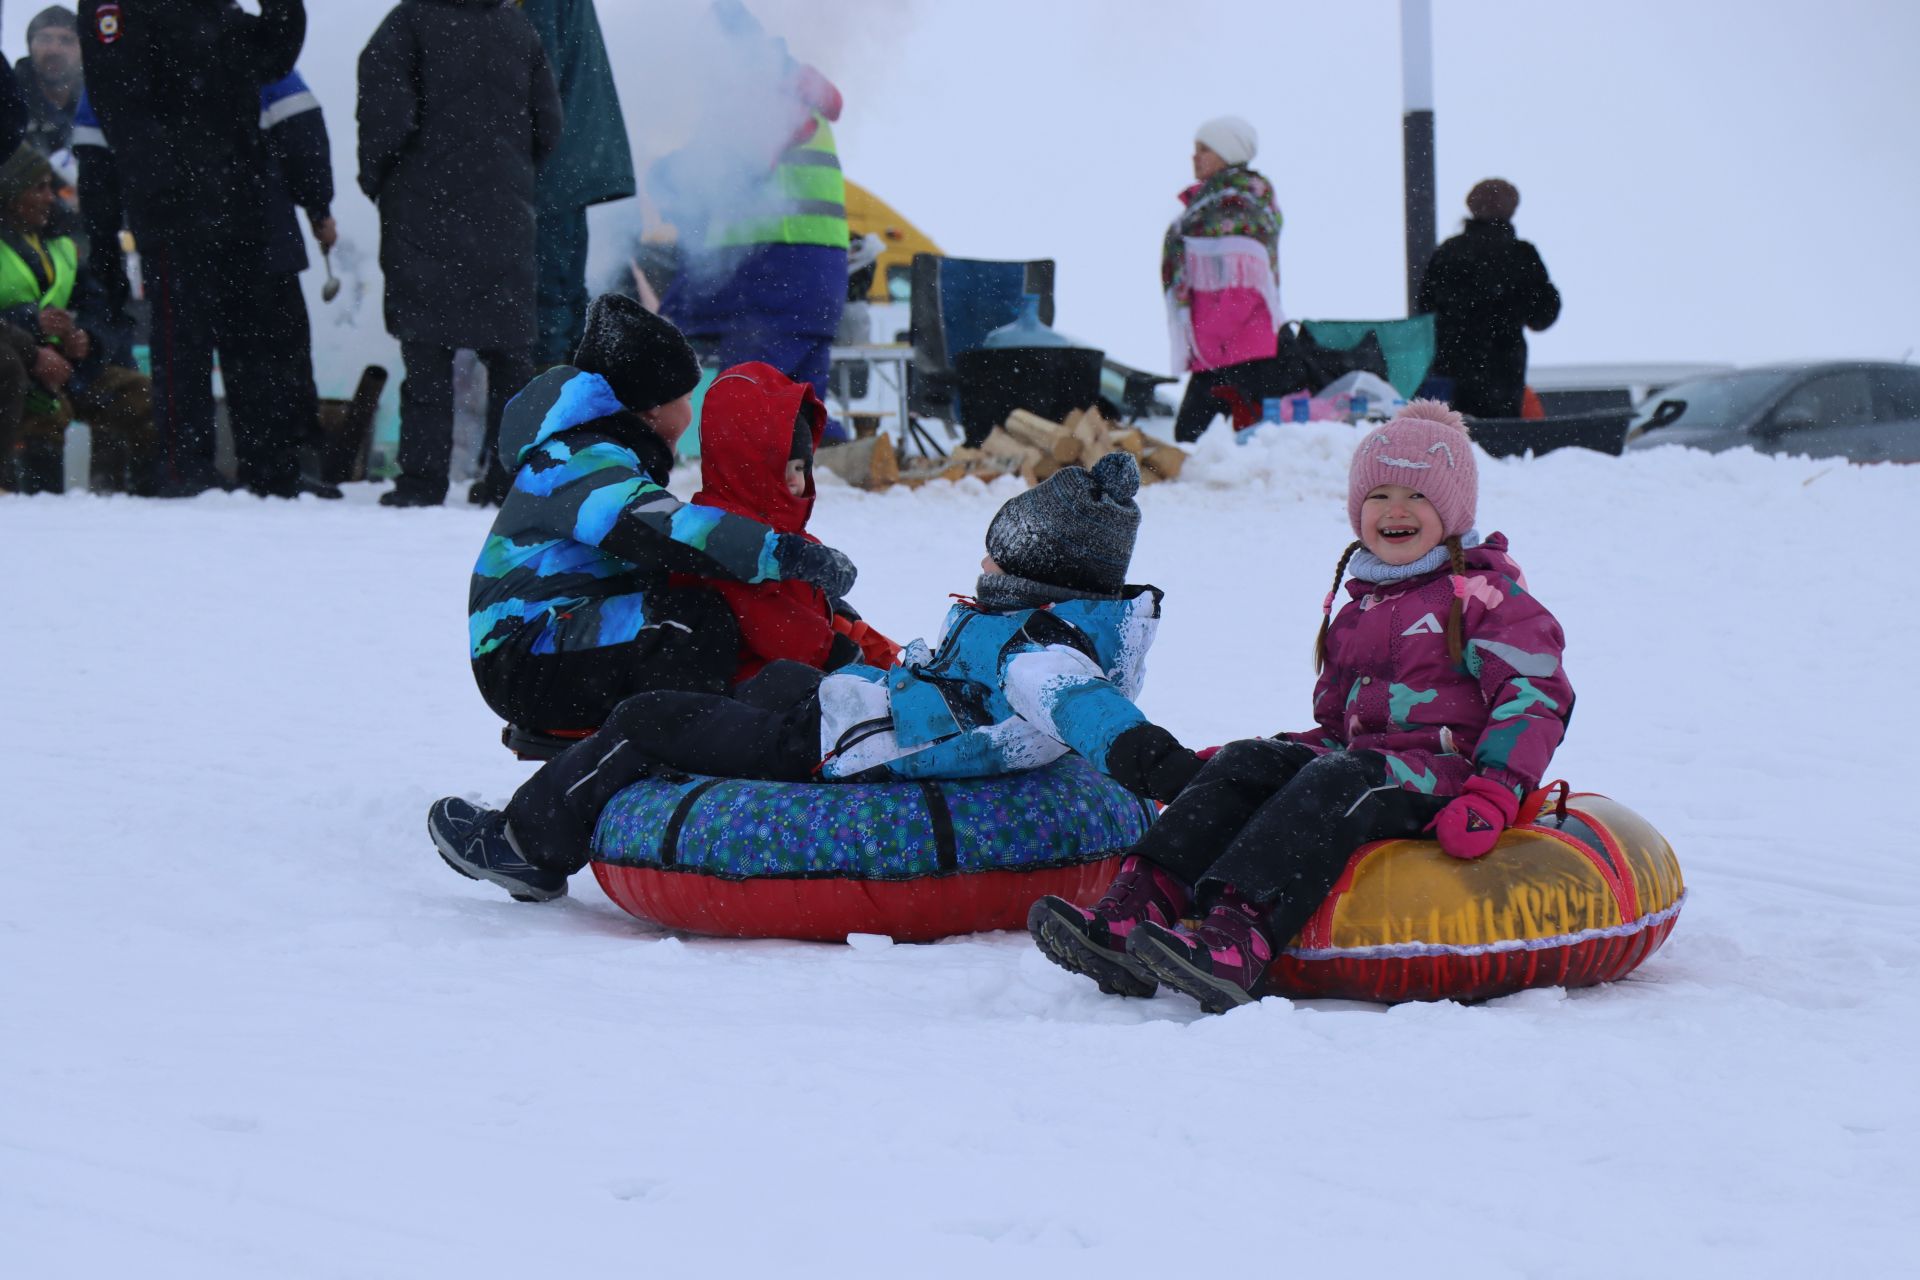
column 1303, row 407
column 1270, row 410
column 1026, row 329
column 1359, row 405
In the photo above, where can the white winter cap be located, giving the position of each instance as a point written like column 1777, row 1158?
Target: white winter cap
column 1230, row 138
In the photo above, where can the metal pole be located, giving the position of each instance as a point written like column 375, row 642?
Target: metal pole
column 1416, row 136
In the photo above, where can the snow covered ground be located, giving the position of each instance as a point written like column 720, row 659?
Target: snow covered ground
column 253, row 1026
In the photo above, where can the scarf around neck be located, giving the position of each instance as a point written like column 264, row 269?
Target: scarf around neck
column 1368, row 567
column 1006, row 591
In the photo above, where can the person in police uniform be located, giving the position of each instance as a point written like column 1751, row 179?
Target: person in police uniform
column 175, row 91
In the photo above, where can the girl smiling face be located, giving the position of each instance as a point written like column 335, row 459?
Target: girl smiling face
column 1398, row 524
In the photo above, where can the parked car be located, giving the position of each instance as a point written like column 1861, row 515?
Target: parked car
column 1585, row 388
column 1858, row 410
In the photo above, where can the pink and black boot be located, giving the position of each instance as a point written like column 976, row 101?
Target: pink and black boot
column 1093, row 941
column 1220, row 963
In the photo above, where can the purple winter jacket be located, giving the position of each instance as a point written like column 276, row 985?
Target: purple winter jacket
column 1390, row 687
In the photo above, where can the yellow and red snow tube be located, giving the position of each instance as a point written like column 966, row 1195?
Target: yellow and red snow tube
column 1579, row 892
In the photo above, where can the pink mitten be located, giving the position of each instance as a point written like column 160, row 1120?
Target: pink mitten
column 1473, row 820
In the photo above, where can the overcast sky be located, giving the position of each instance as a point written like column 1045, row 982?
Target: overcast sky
column 1705, row 179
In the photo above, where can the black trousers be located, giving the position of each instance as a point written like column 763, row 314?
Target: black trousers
column 1278, row 823
column 1255, row 380
column 426, row 411
column 691, row 643
column 225, row 297
column 770, row 730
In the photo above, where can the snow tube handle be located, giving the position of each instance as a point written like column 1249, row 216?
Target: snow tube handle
column 1537, row 800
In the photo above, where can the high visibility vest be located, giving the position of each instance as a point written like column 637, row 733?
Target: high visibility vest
column 807, row 199
column 20, row 284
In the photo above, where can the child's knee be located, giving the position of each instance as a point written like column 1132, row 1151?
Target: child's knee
column 1258, row 760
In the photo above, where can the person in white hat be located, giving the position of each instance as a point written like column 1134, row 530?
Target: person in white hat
column 1220, row 267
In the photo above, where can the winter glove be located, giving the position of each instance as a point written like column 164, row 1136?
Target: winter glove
column 804, row 561
column 842, row 651
column 1150, row 762
column 1471, row 823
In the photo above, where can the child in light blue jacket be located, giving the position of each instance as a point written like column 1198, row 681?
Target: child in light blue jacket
column 1046, row 658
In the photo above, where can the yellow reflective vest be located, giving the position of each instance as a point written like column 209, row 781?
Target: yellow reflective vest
column 20, row 283
column 807, row 199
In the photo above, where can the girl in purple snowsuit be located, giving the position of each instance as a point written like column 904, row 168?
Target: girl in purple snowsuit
column 1440, row 701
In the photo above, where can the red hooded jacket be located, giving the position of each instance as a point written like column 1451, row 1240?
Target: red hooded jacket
column 746, row 435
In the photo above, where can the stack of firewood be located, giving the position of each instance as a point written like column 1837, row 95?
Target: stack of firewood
column 1026, row 445
column 1035, row 448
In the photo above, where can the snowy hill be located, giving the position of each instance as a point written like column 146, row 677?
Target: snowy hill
column 254, row 1027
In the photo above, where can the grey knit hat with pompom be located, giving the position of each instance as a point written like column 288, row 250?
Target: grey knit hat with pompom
column 1073, row 530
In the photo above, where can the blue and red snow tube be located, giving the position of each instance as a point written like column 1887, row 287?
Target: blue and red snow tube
column 912, row 860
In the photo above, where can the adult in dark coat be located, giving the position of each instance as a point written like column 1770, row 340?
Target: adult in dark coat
column 301, row 176
column 49, row 78
column 14, row 117
column 175, row 90
column 457, row 112
column 1485, row 287
column 593, row 164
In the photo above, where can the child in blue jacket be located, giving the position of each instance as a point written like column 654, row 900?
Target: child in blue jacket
column 571, row 607
column 1045, row 659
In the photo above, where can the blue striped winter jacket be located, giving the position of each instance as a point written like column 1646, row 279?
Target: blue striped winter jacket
column 1001, row 693
column 588, row 529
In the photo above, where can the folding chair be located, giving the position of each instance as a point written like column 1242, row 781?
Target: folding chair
column 1408, row 345
column 955, row 303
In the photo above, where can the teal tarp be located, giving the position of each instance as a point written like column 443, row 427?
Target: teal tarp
column 1407, row 344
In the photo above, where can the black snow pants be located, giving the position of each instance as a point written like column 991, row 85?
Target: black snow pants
column 226, row 297
column 1278, row 823
column 769, row 729
column 690, row 643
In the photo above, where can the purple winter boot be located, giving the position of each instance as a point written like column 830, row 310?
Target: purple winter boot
column 1093, row 941
column 1220, row 963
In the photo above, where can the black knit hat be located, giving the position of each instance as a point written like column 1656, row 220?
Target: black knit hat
column 643, row 357
column 21, row 170
column 1073, row 530
column 52, row 16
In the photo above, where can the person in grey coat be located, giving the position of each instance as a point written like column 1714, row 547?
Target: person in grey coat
column 457, row 112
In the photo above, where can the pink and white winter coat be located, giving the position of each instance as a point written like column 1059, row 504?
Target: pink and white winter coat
column 1390, row 686
column 1220, row 268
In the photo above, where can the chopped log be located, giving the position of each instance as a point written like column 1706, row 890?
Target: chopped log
column 1163, row 462
column 865, row 464
column 999, row 444
column 1031, row 428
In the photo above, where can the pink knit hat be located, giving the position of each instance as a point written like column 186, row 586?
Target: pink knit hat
column 1425, row 448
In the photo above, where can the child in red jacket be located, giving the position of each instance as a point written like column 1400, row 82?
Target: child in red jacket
column 758, row 431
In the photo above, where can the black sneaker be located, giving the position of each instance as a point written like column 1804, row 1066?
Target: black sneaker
column 476, row 843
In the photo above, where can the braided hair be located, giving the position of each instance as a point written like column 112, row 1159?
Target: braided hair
column 1326, row 607
column 1457, row 562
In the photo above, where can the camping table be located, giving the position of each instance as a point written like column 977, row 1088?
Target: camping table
column 889, row 361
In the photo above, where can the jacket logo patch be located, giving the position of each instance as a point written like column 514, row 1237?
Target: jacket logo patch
column 106, row 23
column 1427, row 626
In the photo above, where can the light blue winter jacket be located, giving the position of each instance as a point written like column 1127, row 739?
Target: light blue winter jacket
column 1002, row 692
